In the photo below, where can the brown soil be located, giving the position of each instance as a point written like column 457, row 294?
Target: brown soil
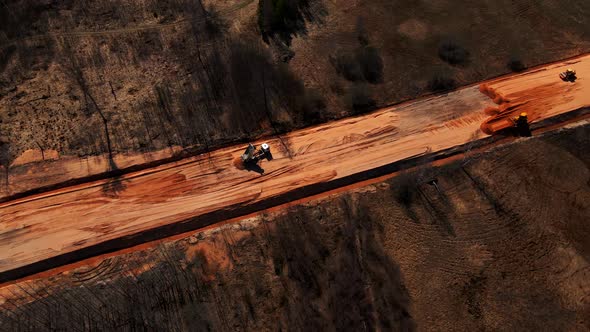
column 237, row 162
column 495, row 242
column 32, row 156
column 414, row 29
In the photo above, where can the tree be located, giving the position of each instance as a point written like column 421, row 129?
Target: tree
column 453, row 53
column 283, row 18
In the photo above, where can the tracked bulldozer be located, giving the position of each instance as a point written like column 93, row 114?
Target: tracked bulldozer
column 568, row 76
column 252, row 156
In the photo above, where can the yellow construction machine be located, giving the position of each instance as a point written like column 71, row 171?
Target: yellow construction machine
column 569, row 75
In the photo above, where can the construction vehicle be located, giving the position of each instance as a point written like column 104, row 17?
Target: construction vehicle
column 504, row 122
column 252, row 156
column 568, row 76
column 521, row 123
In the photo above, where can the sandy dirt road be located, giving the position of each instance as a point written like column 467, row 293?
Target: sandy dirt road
column 60, row 225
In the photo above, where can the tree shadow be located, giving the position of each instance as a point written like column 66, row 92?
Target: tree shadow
column 440, row 207
column 452, row 52
column 17, row 21
column 404, row 190
column 6, row 54
column 262, row 91
column 138, row 299
column 336, row 270
column 116, row 185
column 363, row 64
column 5, row 155
column 363, row 255
column 284, row 19
column 421, row 191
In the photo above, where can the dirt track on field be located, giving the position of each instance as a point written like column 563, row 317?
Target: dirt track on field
column 34, row 230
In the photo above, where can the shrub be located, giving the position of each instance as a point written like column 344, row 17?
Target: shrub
column 214, row 23
column 283, row 18
column 312, row 106
column 264, row 89
column 441, row 82
column 5, row 54
column 360, row 99
column 405, row 189
column 348, row 67
column 371, row 64
column 5, row 156
column 453, row 53
column 515, row 65
column 365, row 65
column 361, row 30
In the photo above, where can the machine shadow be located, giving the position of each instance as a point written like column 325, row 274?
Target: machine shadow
column 254, row 167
